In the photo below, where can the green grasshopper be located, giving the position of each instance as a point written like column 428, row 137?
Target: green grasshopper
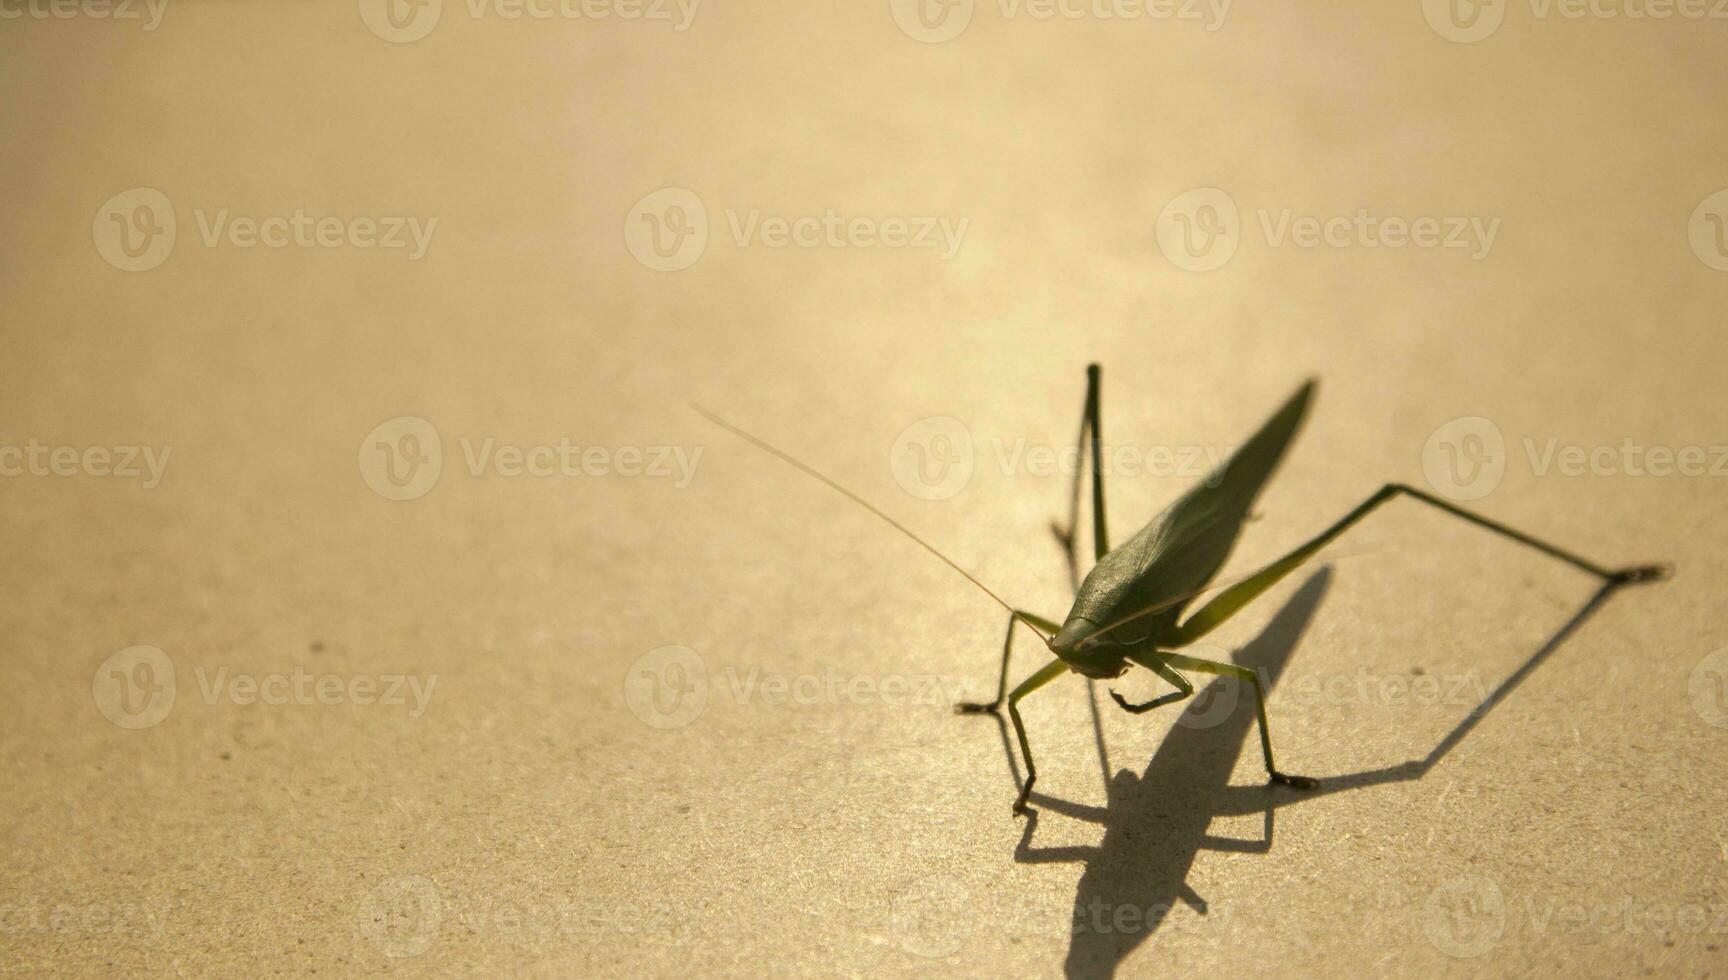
column 1127, row 610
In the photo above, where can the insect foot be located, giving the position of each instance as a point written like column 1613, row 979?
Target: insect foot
column 974, row 708
column 1643, row 573
column 1297, row 782
column 1142, row 708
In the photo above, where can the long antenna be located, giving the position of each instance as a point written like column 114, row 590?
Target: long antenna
column 860, row 501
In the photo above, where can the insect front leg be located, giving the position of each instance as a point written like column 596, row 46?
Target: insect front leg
column 1157, row 665
column 973, row 707
column 1243, row 673
column 1045, row 675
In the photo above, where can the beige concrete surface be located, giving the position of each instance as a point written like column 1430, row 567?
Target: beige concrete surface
column 376, row 604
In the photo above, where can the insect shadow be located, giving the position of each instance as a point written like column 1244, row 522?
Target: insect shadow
column 1155, row 824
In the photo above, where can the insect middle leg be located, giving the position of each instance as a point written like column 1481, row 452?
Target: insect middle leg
column 1244, row 674
column 1157, row 665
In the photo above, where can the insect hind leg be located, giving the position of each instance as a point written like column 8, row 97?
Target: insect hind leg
column 1230, row 601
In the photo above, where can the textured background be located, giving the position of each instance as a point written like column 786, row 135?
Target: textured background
column 799, row 799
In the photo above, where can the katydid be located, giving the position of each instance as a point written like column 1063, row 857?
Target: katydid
column 1129, row 609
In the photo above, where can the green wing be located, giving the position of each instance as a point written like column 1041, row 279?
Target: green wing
column 1182, row 549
